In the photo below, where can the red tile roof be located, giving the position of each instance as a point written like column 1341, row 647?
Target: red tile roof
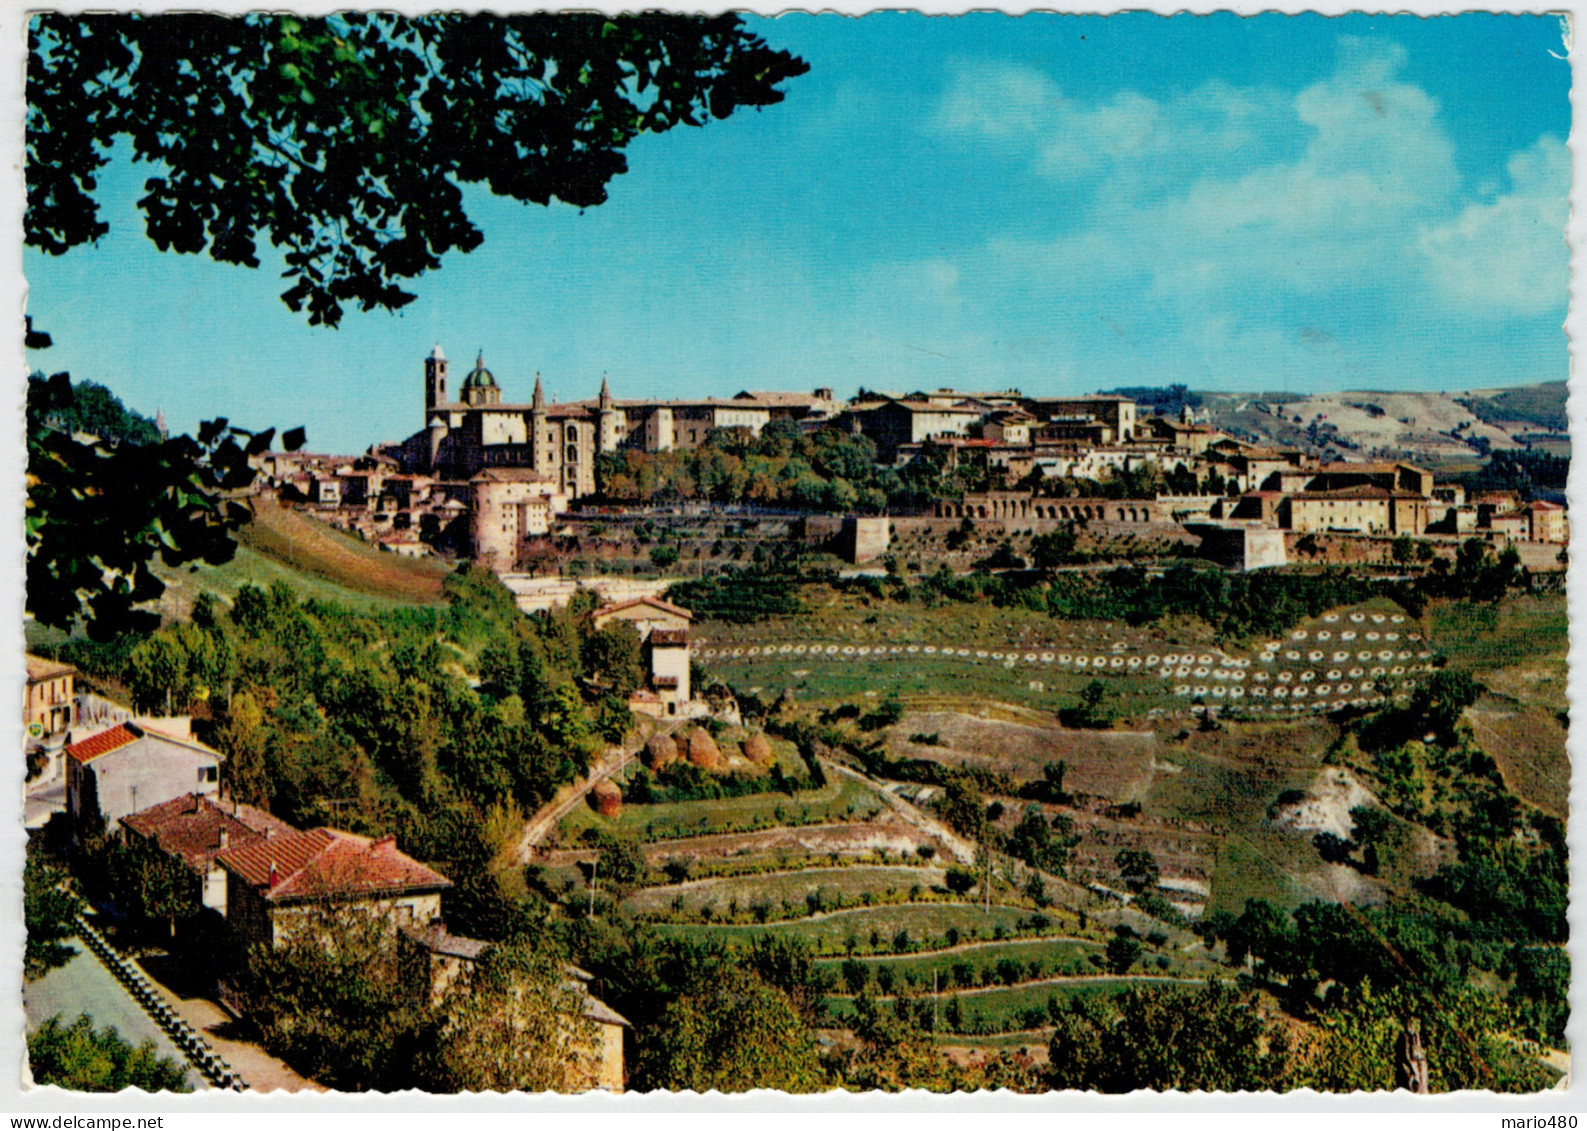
column 653, row 602
column 329, row 862
column 40, row 668
column 102, row 743
column 191, row 826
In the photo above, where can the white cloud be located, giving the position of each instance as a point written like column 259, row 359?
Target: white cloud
column 997, row 101
column 1253, row 236
column 1508, row 256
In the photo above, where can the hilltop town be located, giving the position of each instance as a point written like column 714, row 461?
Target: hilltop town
column 929, row 723
column 525, row 488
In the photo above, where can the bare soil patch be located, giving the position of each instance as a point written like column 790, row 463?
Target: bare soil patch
column 1112, row 764
column 1529, row 747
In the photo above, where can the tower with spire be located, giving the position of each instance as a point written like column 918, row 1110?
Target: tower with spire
column 608, row 424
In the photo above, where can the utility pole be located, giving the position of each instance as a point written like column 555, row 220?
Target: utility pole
column 594, row 867
column 933, row 999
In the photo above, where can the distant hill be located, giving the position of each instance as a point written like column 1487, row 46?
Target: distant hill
column 1430, row 428
column 87, row 406
column 1541, row 406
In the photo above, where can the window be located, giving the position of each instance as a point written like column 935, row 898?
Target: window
column 208, row 773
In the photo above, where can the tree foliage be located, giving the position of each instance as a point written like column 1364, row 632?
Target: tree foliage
column 517, row 1024
column 732, row 1032
column 48, row 914
column 347, row 141
column 1211, row 1039
column 100, row 512
column 80, row 1058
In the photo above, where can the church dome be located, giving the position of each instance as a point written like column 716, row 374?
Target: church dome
column 479, row 377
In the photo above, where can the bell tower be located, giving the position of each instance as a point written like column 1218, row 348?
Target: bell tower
column 434, row 381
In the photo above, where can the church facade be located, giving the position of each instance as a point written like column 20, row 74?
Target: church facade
column 477, row 431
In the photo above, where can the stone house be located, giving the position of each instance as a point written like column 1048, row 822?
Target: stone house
column 434, row 962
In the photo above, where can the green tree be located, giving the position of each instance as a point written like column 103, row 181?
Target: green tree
column 1122, row 952
column 99, row 513
column 48, row 914
column 516, row 1025
column 1212, row 1039
column 80, row 1058
column 347, row 140
column 331, row 1001
column 612, row 654
column 154, row 889
column 1138, row 867
column 732, row 1031
column 1093, row 710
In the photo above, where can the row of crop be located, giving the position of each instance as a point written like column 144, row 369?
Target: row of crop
column 875, row 941
column 683, row 867
column 193, row 1047
column 736, row 911
column 1020, row 1009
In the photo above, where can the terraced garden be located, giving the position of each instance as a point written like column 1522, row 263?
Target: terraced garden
column 840, row 799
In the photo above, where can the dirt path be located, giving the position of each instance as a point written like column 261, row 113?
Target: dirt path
column 963, row 851
column 541, row 825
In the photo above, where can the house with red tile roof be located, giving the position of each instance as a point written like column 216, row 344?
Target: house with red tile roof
column 275, row 886
column 131, row 767
column 195, row 829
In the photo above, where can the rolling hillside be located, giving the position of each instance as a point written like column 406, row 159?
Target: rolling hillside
column 281, row 544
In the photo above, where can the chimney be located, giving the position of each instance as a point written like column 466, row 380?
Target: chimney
column 225, row 839
column 387, row 841
column 275, row 877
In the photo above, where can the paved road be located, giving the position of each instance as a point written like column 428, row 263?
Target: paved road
column 83, row 985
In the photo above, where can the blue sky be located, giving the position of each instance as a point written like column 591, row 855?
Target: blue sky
column 1057, row 203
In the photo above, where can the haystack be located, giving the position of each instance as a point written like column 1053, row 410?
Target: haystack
column 660, row 751
column 758, row 749
column 608, row 799
column 703, row 751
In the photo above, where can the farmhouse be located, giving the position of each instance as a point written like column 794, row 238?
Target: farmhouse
column 274, row 886
column 664, row 636
column 196, row 829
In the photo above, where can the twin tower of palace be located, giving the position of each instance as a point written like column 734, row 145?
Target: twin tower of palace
column 477, row 431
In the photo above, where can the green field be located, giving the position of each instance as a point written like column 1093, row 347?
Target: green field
column 916, row 678
column 318, row 561
column 926, row 923
column 841, row 799
column 835, row 886
column 1055, row 955
column 1004, row 1009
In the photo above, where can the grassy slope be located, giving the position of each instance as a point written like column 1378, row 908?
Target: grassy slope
column 317, row 561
